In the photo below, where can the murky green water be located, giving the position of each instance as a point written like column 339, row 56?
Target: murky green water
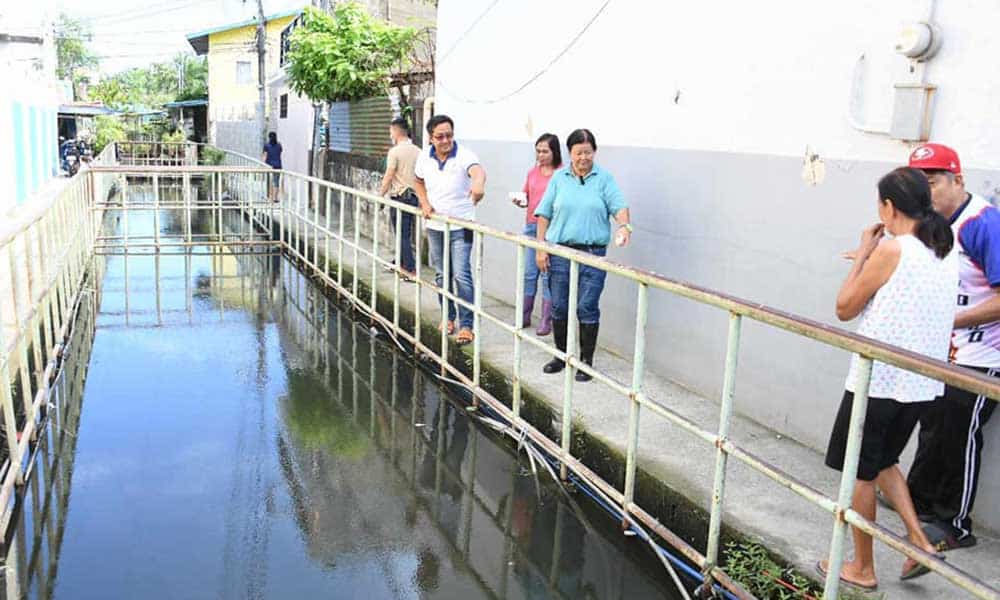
column 238, row 437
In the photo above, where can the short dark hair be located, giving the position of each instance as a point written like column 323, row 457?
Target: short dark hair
column 553, row 142
column 581, row 136
column 272, row 137
column 437, row 120
column 402, row 124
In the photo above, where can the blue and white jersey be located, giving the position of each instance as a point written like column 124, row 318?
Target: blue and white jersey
column 977, row 237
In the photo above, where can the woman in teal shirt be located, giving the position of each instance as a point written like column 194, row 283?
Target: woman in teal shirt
column 575, row 212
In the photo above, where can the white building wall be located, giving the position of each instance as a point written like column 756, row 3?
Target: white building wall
column 29, row 105
column 705, row 112
column 295, row 129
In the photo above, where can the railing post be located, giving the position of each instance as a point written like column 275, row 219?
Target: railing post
column 397, row 247
column 186, row 182
column 315, row 225
column 326, row 235
column 445, row 285
column 571, row 351
column 125, row 211
column 638, row 366
column 477, row 321
column 340, row 242
column 10, row 425
column 518, row 325
column 355, row 276
column 374, row 295
column 156, row 210
column 725, row 418
column 299, row 218
column 848, row 476
column 418, row 269
column 217, row 192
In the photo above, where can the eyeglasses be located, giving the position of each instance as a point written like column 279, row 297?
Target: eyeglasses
column 443, row 136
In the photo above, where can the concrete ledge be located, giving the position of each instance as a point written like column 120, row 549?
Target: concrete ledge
column 675, row 482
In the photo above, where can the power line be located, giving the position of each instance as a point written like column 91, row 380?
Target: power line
column 116, row 13
column 472, row 26
column 145, row 14
column 537, row 75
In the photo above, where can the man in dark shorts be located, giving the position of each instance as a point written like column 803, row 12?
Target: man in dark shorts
column 945, row 472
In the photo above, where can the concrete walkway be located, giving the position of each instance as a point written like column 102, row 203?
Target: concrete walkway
column 783, row 521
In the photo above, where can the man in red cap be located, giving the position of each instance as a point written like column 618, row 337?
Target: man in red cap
column 945, row 473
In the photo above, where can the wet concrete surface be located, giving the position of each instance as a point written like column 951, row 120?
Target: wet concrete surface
column 241, row 438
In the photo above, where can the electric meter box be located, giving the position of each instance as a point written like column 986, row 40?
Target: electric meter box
column 911, row 112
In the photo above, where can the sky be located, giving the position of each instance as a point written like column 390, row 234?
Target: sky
column 132, row 33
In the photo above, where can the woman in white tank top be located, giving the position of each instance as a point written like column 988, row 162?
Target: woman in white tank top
column 904, row 289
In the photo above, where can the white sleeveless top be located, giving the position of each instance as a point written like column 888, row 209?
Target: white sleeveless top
column 914, row 310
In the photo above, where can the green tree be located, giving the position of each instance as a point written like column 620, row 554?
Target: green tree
column 108, row 129
column 184, row 77
column 72, row 54
column 347, row 55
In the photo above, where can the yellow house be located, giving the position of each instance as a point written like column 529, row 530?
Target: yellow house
column 233, row 78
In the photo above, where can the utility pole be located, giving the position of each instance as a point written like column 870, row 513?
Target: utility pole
column 261, row 68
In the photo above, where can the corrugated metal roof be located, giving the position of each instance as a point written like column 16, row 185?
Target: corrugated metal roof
column 84, row 110
column 187, row 103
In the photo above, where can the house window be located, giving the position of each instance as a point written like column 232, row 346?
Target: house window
column 283, row 106
column 243, row 73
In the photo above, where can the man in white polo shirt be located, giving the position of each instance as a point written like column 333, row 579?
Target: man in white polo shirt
column 450, row 182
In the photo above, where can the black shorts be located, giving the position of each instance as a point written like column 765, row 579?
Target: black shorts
column 888, row 426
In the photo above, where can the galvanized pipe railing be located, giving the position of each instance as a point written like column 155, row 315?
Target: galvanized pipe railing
column 303, row 226
column 43, row 263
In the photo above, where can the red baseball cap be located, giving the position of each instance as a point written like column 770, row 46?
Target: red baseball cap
column 935, row 157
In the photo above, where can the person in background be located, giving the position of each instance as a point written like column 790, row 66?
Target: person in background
column 575, row 213
column 945, row 471
column 903, row 288
column 548, row 158
column 272, row 156
column 449, row 181
column 398, row 183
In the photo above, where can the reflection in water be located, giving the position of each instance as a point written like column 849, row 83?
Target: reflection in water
column 244, row 439
column 32, row 553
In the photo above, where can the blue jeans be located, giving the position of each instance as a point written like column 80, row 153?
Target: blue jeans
column 460, row 278
column 591, row 285
column 406, row 259
column 531, row 271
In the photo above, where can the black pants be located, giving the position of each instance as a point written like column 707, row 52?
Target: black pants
column 945, row 472
column 406, row 258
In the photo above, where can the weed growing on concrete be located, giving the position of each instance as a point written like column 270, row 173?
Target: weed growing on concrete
column 750, row 564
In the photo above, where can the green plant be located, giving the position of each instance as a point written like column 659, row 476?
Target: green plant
column 347, row 55
column 107, row 130
column 750, row 564
column 156, row 84
column 212, row 156
column 176, row 136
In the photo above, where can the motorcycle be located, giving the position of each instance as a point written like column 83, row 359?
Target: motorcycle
column 73, row 153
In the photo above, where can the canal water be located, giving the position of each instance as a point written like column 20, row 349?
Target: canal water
column 231, row 434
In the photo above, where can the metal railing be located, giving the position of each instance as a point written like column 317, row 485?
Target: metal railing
column 43, row 264
column 343, row 351
column 333, row 252
column 158, row 153
column 336, row 233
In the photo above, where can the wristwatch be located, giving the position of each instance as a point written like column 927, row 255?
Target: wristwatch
column 627, row 226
